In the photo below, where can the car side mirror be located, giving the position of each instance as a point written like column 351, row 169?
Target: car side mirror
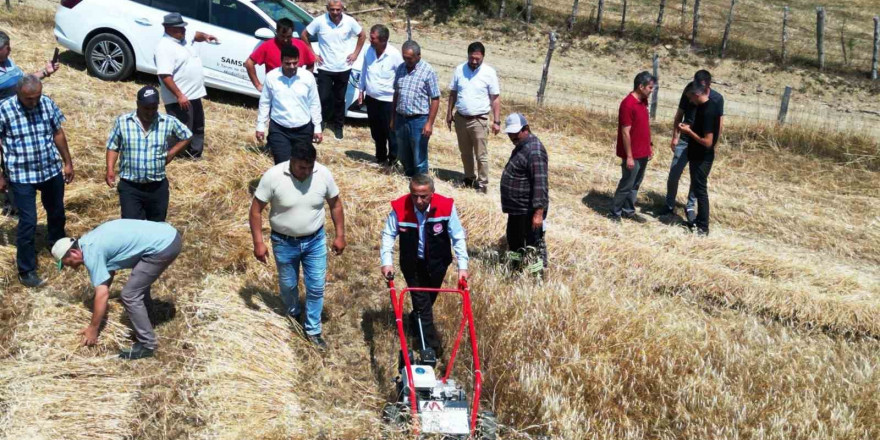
column 264, row 34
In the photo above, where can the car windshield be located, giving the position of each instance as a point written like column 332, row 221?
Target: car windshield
column 278, row 9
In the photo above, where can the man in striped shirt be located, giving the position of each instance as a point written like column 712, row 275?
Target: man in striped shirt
column 141, row 139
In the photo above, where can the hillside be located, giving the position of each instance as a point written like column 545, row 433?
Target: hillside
column 766, row 329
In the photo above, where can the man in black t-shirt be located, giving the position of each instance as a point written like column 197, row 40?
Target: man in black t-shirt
column 703, row 136
column 685, row 113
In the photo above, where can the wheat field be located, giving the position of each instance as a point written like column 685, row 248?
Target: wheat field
column 767, row 329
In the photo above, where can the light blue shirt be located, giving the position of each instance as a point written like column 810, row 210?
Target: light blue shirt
column 456, row 233
column 120, row 244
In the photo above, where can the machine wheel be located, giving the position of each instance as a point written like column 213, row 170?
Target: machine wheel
column 109, row 57
column 487, row 426
column 392, row 415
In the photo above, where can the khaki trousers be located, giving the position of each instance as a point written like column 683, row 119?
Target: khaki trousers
column 473, row 139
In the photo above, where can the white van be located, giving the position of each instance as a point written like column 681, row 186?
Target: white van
column 118, row 37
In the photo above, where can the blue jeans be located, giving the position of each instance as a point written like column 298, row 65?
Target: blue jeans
column 679, row 162
column 412, row 148
column 312, row 253
column 25, row 197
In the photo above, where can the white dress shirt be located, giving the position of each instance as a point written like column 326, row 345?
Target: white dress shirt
column 377, row 74
column 290, row 102
column 180, row 59
column 456, row 233
column 473, row 88
column 335, row 41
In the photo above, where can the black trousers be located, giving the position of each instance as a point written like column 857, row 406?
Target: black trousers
column 194, row 119
column 332, row 87
column 521, row 236
column 280, row 139
column 144, row 201
column 379, row 115
column 423, row 304
column 700, row 166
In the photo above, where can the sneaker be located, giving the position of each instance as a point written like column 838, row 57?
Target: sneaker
column 665, row 211
column 614, row 218
column 31, row 279
column 337, row 133
column 691, row 215
column 482, row 189
column 468, row 182
column 702, row 232
column 318, row 342
column 137, row 351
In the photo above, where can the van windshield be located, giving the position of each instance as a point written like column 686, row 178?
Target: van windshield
column 278, row 9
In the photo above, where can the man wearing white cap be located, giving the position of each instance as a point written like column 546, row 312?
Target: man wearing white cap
column 525, row 194
column 145, row 247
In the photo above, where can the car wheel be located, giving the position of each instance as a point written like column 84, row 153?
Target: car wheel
column 109, row 57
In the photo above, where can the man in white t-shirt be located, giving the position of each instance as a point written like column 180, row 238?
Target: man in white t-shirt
column 296, row 191
column 336, row 32
column 181, row 78
column 377, row 91
column 473, row 94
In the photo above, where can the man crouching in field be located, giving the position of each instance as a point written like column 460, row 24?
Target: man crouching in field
column 145, row 247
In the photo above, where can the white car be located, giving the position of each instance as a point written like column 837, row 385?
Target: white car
column 118, row 37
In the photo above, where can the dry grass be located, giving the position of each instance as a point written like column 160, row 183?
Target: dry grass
column 767, row 329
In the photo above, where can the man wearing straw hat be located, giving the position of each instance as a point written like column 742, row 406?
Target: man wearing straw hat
column 145, row 247
column 428, row 227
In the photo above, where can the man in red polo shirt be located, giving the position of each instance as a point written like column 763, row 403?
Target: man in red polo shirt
column 633, row 146
column 268, row 53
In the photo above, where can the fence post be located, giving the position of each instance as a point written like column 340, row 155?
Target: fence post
column 574, row 13
column 727, row 28
column 843, row 43
column 623, row 19
column 696, row 23
column 528, row 11
column 656, row 87
column 783, row 108
column 659, row 21
column 546, row 70
column 8, row 5
column 820, row 36
column 599, row 16
column 874, row 59
column 408, row 29
column 784, row 33
column 684, row 5
column 501, row 9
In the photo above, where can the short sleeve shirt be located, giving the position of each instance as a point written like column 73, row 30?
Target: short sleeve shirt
column 707, row 119
column 296, row 208
column 473, row 88
column 120, row 244
column 142, row 153
column 180, row 59
column 335, row 41
column 415, row 89
column 28, row 137
column 10, row 73
column 633, row 113
column 268, row 53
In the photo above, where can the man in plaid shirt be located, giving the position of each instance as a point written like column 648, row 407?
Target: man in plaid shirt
column 525, row 194
column 35, row 152
column 416, row 100
column 141, row 139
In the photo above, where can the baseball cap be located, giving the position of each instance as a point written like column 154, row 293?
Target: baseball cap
column 148, row 95
column 60, row 248
column 514, row 123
